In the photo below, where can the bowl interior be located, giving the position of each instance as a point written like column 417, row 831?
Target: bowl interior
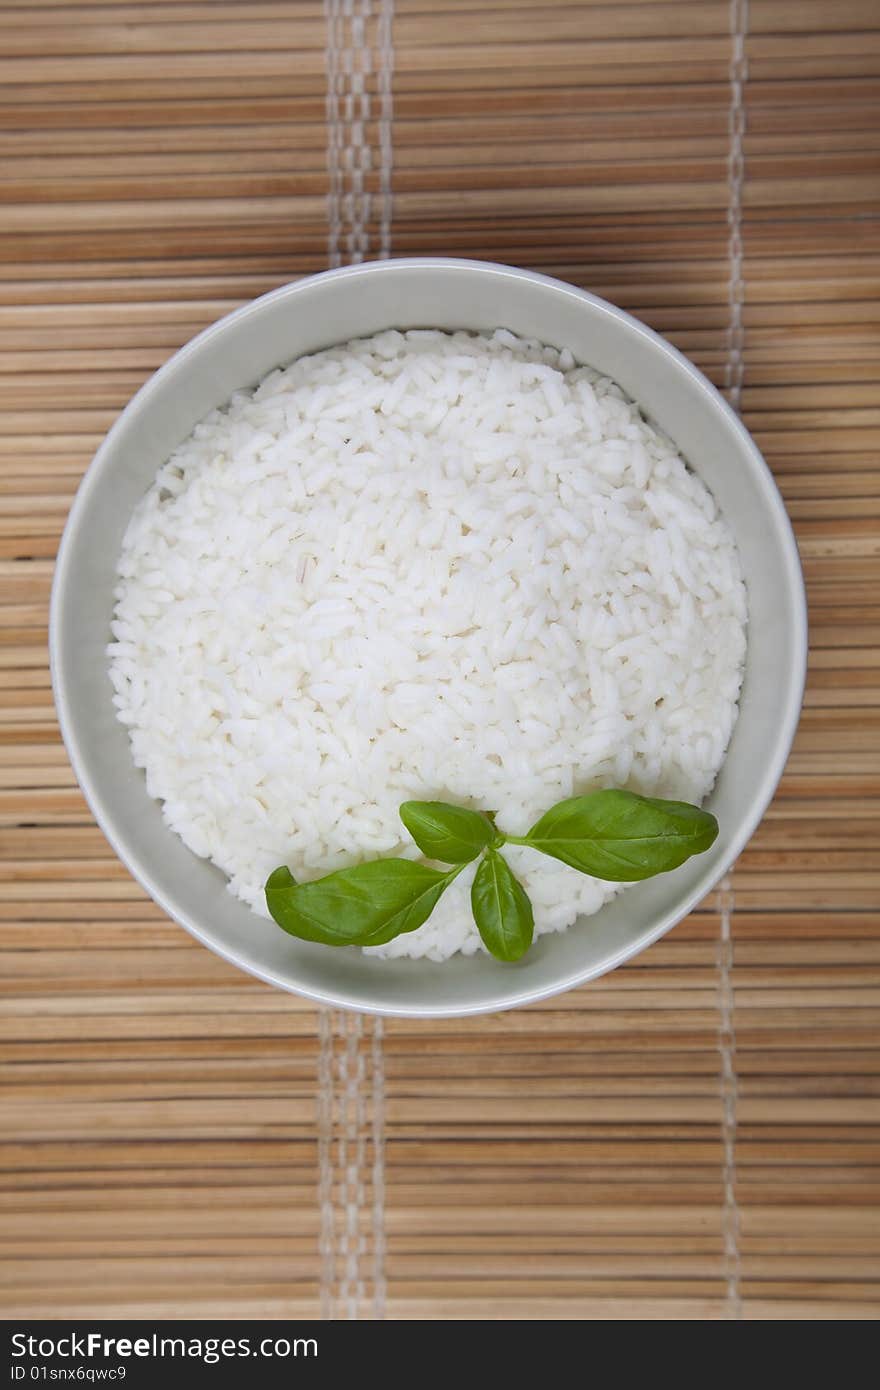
column 318, row 313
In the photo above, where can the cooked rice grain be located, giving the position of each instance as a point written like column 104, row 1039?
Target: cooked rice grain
column 422, row 565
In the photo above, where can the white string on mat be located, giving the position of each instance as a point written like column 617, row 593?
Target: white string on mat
column 385, row 74
column 734, row 374
column 332, row 106
column 326, row 1119
column 736, row 170
column 352, row 1162
column 351, row 1067
column 377, row 1059
column 730, row 1225
column 349, row 64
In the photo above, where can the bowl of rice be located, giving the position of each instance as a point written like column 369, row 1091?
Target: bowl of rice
column 422, row 529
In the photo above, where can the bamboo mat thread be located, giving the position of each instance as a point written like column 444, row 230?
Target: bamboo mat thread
column 694, row 1136
column 351, row 1096
column 734, row 374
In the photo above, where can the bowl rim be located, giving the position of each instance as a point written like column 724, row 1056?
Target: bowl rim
column 788, row 716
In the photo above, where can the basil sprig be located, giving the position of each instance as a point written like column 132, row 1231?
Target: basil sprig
column 613, row 835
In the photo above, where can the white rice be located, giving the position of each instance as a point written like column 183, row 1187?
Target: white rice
column 429, row 565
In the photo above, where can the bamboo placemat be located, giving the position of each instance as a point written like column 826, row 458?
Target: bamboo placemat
column 698, row 1134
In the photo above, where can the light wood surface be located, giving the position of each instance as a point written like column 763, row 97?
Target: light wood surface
column 163, row 163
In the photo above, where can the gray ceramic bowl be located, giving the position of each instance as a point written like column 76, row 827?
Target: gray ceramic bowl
column 332, row 308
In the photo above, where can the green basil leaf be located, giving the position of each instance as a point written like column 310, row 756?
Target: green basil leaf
column 277, row 884
column 622, row 837
column 364, row 906
column 501, row 908
column 452, row 834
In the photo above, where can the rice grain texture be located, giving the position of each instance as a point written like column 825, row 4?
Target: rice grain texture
column 422, row 565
